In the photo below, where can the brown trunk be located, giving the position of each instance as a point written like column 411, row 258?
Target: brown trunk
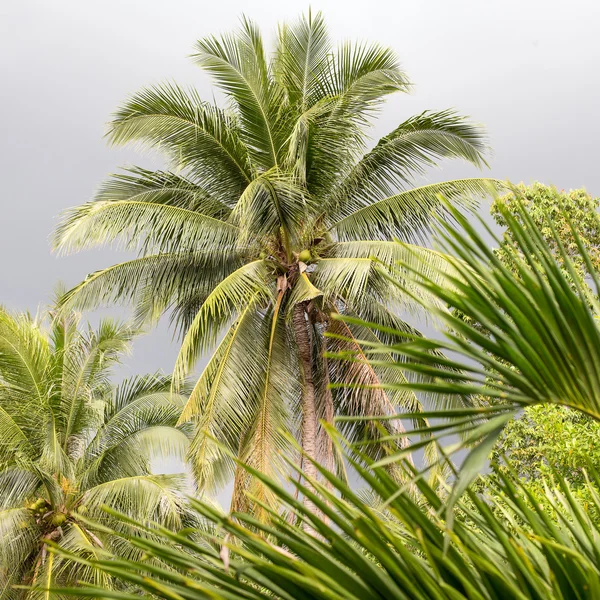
column 326, row 445
column 309, row 413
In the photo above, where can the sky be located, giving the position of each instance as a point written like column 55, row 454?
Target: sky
column 527, row 69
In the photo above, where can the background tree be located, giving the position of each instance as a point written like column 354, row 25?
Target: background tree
column 549, row 207
column 273, row 215
column 71, row 443
column 546, row 439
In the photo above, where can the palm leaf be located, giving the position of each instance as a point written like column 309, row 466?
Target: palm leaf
column 197, row 136
column 408, row 215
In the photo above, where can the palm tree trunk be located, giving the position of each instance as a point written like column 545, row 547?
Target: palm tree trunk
column 309, row 413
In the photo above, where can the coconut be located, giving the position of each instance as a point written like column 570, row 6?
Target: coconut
column 58, row 519
column 305, row 256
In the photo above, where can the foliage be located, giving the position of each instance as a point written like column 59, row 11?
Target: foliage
column 564, row 209
column 514, row 549
column 550, row 440
column 71, row 443
column 273, row 215
column 540, row 344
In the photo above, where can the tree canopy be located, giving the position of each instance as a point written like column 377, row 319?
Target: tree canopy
column 273, row 214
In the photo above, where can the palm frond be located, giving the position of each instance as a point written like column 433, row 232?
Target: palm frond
column 505, row 545
column 265, row 444
column 302, row 55
column 153, row 283
column 409, row 215
column 404, row 153
column 133, row 223
column 161, row 187
column 238, row 65
column 197, row 136
column 247, row 284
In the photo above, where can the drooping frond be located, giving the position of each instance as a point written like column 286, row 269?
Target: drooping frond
column 352, row 279
column 198, row 137
column 409, row 215
column 150, row 498
column 405, row 153
column 359, row 392
column 161, row 187
column 265, row 445
column 154, row 282
column 401, row 259
column 132, row 223
column 248, row 284
column 221, row 403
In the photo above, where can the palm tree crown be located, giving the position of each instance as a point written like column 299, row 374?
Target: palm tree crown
column 71, row 443
column 272, row 216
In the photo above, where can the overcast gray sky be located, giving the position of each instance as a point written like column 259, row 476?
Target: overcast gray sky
column 527, row 69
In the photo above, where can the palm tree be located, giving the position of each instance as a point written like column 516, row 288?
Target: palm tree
column 543, row 349
column 272, row 216
column 505, row 545
column 70, row 443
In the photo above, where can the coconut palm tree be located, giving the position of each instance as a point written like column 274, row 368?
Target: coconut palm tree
column 272, row 216
column 71, row 443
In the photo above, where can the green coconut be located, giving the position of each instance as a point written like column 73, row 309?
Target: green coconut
column 39, row 504
column 58, row 519
column 305, row 256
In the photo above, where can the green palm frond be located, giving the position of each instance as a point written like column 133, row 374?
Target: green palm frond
column 144, row 497
column 246, row 285
column 222, row 400
column 239, row 67
column 409, row 215
column 161, row 187
column 518, row 335
column 274, row 200
column 265, row 443
column 199, row 137
column 380, row 543
column 131, row 223
column 142, row 429
column 154, row 282
column 405, row 152
column 302, row 55
column 69, row 442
